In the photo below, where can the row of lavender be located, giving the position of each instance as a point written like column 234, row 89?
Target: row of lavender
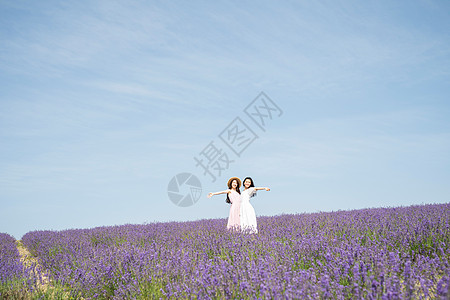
column 16, row 280
column 385, row 253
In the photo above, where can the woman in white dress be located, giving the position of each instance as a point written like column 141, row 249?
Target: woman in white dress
column 248, row 215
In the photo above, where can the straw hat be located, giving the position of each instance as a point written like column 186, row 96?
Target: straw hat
column 231, row 180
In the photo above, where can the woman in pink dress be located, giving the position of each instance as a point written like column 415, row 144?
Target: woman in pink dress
column 233, row 197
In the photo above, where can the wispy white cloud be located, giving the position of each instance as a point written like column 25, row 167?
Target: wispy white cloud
column 96, row 90
column 325, row 148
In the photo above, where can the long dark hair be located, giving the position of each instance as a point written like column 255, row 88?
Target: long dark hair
column 230, row 186
column 251, row 185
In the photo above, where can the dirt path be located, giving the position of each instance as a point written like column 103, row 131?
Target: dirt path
column 44, row 284
column 29, row 261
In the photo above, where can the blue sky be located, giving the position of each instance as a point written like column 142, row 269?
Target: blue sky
column 103, row 102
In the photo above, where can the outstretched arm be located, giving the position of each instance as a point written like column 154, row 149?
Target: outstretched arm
column 218, row 193
column 262, row 188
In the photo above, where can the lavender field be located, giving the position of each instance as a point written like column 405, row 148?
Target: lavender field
column 16, row 279
column 385, row 253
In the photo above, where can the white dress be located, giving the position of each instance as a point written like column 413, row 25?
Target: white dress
column 248, row 216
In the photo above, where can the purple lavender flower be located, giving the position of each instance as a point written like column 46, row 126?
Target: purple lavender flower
column 386, row 253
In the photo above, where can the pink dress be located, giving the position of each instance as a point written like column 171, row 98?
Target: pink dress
column 235, row 209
